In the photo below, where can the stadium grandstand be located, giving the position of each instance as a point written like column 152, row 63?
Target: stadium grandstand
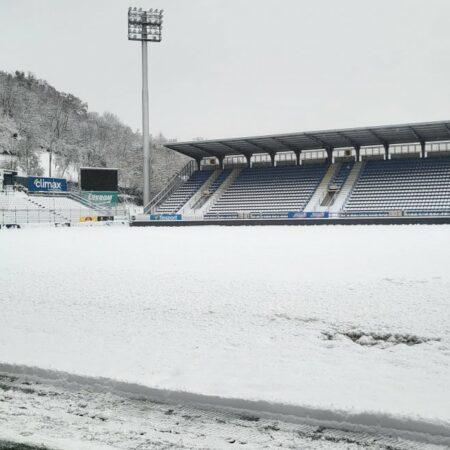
column 390, row 172
column 20, row 205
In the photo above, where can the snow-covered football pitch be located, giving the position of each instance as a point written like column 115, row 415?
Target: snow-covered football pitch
column 342, row 325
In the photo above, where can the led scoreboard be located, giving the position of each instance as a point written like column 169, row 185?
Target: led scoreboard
column 99, row 185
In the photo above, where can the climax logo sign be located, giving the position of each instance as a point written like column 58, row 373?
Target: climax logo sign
column 47, row 184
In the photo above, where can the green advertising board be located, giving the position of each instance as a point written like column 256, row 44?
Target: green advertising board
column 104, row 199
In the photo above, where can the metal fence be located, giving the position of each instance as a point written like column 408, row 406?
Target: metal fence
column 54, row 216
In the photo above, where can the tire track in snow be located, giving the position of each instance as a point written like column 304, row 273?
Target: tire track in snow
column 46, row 405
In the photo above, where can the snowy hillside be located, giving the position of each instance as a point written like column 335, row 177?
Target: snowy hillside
column 345, row 320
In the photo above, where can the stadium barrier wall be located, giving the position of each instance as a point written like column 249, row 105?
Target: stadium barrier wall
column 419, row 220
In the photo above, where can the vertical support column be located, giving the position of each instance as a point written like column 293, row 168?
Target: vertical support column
column 422, row 149
column 272, row 159
column 145, row 126
column 358, row 153
column 199, row 161
column 221, row 159
column 297, row 156
column 386, row 151
column 249, row 160
column 50, row 154
column 329, row 151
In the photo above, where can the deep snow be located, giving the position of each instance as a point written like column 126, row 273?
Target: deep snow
column 277, row 314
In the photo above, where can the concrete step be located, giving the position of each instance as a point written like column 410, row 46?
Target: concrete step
column 322, row 189
column 344, row 193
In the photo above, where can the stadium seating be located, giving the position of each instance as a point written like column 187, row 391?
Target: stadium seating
column 53, row 202
column 184, row 192
column 16, row 200
column 271, row 191
column 339, row 178
column 208, row 193
column 412, row 185
column 20, row 208
column 219, row 180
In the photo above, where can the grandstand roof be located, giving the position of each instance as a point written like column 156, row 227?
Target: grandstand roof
column 316, row 140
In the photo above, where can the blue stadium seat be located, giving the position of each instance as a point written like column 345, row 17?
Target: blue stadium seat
column 271, row 191
column 219, row 180
column 339, row 178
column 412, row 185
column 184, row 192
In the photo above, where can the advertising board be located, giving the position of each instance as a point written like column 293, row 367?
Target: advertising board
column 44, row 184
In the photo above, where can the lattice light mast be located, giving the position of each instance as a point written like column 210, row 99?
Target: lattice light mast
column 145, row 26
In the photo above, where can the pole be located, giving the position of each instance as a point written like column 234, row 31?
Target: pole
column 145, row 120
column 50, row 163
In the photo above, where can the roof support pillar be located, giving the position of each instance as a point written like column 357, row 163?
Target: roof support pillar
column 358, row 153
column 249, row 160
column 297, row 157
column 329, row 151
column 198, row 160
column 386, row 151
column 422, row 149
column 221, row 160
column 272, row 159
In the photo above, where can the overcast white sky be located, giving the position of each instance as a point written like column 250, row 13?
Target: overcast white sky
column 242, row 67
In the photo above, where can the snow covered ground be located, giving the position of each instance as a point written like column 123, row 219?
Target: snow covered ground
column 334, row 323
column 84, row 417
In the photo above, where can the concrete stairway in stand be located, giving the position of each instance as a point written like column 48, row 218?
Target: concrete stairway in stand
column 225, row 185
column 322, row 189
column 347, row 188
column 188, row 208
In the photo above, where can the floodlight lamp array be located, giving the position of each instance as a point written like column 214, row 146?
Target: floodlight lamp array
column 145, row 25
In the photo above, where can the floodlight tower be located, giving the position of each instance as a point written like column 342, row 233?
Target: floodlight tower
column 145, row 26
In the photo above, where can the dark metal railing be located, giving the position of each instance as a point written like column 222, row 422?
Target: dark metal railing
column 179, row 178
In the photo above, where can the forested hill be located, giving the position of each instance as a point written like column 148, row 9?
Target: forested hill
column 35, row 117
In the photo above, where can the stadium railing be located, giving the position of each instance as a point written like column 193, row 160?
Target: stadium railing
column 179, row 178
column 72, row 195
